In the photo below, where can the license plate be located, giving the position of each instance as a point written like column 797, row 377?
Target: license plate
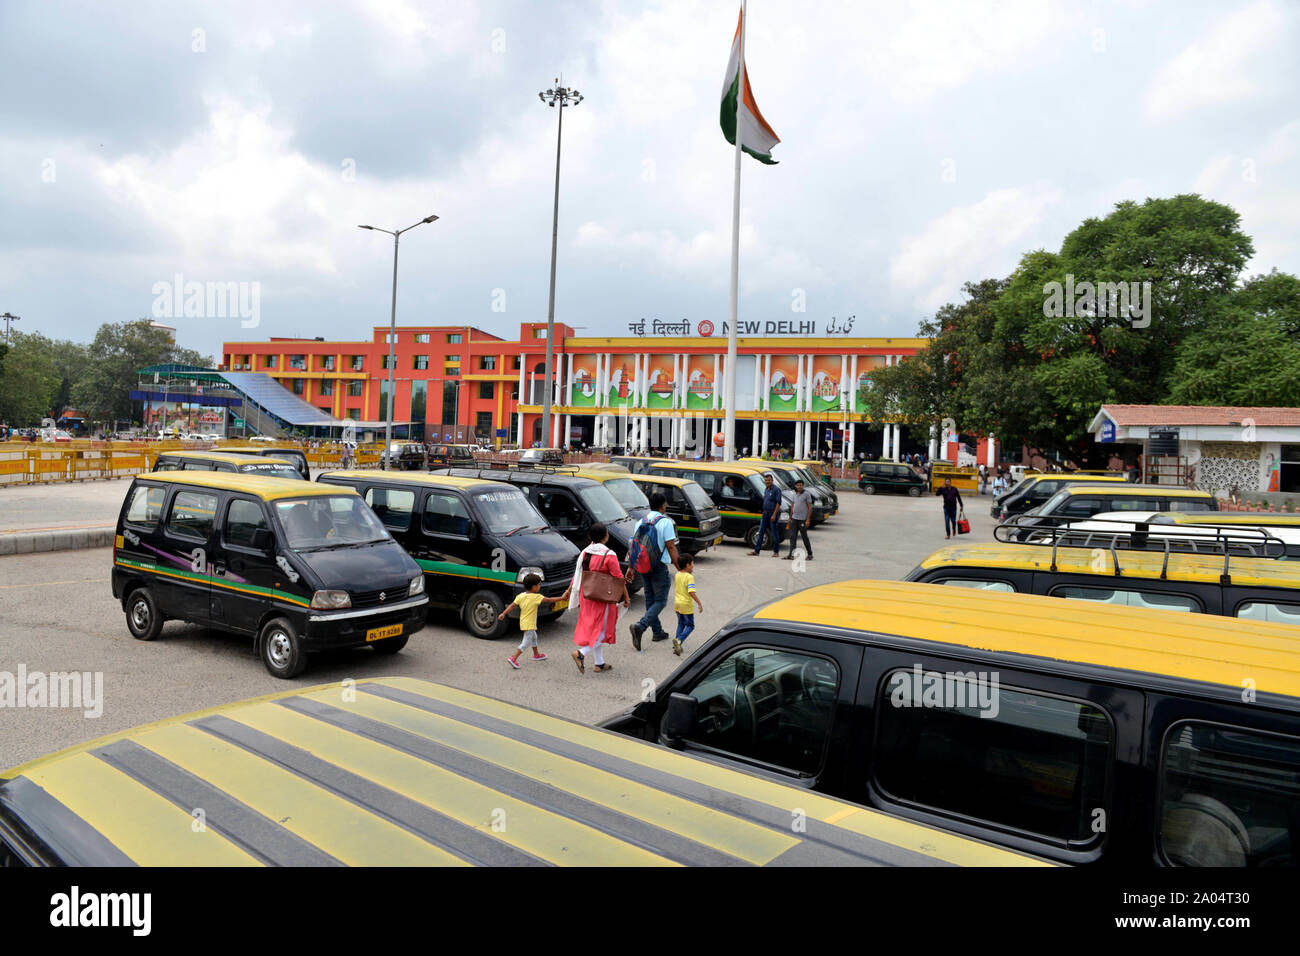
column 379, row 633
column 559, row 605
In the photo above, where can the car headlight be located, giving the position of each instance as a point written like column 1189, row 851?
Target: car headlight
column 330, row 600
column 524, row 572
column 417, row 585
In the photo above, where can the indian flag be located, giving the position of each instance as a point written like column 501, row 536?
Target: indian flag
column 756, row 137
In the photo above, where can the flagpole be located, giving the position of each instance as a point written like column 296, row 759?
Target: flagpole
column 729, row 371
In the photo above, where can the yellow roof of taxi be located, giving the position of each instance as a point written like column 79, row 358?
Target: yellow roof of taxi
column 708, row 465
column 1157, row 491
column 1198, row 648
column 399, row 771
column 234, row 457
column 659, row 479
column 260, row 485
column 1207, row 568
column 1258, row 519
column 412, row 478
column 1068, row 476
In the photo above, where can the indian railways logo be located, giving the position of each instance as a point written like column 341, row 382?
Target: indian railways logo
column 705, row 327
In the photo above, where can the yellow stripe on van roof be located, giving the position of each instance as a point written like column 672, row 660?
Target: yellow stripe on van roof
column 266, row 488
column 234, row 457
column 1262, row 519
column 414, row 478
column 1264, row 572
column 1196, row 647
column 659, row 479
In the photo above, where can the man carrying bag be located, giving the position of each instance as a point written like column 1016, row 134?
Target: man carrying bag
column 654, row 545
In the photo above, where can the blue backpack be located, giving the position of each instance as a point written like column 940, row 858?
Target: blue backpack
column 644, row 552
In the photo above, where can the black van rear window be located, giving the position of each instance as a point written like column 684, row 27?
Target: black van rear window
column 961, row 744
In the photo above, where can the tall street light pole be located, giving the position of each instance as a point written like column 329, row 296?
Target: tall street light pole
column 392, row 335
column 564, row 97
column 13, row 318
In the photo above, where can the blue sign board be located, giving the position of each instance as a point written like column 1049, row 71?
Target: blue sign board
column 503, row 433
column 1107, row 431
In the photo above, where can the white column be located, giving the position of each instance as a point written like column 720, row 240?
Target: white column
column 798, row 431
column 555, row 430
column 568, row 388
column 758, row 375
column 763, row 444
column 853, row 384
column 717, row 373
column 934, row 443
column 992, row 458
column 686, row 377
column 568, row 430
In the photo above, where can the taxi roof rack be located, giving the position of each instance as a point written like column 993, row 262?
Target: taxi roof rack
column 1228, row 540
column 494, row 472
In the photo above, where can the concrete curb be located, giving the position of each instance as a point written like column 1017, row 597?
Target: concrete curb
column 68, row 539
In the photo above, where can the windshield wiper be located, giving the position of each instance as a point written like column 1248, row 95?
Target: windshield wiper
column 522, row 527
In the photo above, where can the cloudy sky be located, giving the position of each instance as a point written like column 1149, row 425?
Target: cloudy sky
column 924, row 144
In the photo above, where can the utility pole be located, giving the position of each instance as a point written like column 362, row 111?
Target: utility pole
column 9, row 319
column 564, row 97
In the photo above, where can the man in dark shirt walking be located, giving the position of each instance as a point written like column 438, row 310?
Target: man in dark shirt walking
column 771, row 516
column 951, row 502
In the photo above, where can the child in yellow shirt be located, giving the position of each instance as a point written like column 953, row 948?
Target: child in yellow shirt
column 684, row 594
column 528, row 601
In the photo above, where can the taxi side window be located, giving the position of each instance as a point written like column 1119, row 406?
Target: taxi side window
column 243, row 518
column 559, row 509
column 1269, row 611
column 192, row 514
column 392, row 506
column 963, row 745
column 445, row 514
column 773, row 706
column 705, row 479
column 196, row 466
column 1229, row 796
column 676, row 500
column 167, row 464
column 980, row 584
column 146, row 506
column 1160, row 600
column 734, row 487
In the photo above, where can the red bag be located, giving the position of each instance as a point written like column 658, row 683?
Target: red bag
column 963, row 526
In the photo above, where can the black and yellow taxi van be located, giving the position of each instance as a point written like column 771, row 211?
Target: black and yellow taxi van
column 618, row 482
column 569, row 504
column 397, row 771
column 890, row 476
column 1083, row 733
column 441, row 453
column 227, row 461
column 1107, row 571
column 696, row 518
column 1081, row 502
column 735, row 489
column 826, row 502
column 475, row 540
column 295, row 455
column 1034, row 490
column 299, row 567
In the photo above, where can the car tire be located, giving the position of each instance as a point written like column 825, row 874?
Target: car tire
column 868, row 489
column 390, row 645
column 914, row 492
column 142, row 617
column 281, row 649
column 480, row 615
column 751, row 537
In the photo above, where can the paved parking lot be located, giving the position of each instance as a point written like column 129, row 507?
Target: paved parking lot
column 56, row 614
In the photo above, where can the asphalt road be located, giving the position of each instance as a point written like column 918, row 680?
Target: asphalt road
column 57, row 614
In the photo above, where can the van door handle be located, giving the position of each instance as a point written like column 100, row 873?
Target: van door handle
column 219, row 569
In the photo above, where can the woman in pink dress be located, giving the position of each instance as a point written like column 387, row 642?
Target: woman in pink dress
column 597, row 620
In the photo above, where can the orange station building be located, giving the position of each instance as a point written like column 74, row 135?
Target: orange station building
column 651, row 392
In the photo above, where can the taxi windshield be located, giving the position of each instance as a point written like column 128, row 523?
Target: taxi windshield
column 503, row 510
column 627, row 493
column 602, row 504
column 328, row 521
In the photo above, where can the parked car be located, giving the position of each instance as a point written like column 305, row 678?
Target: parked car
column 263, row 465
column 890, row 476
column 275, row 559
column 1079, row 731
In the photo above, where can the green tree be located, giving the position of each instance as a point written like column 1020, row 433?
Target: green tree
column 115, row 358
column 1250, row 354
column 30, row 381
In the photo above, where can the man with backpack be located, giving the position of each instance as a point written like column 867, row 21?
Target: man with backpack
column 652, row 552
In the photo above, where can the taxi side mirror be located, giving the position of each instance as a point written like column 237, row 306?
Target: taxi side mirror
column 262, row 541
column 472, row 530
column 678, row 721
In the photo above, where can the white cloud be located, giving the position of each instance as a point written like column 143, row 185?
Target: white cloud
column 969, row 242
column 1221, row 66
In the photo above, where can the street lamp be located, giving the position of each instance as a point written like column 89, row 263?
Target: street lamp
column 8, row 320
column 564, row 96
column 392, row 333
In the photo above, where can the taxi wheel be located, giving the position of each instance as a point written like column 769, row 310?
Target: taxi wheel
column 390, row 646
column 751, row 537
column 480, row 615
column 914, row 492
column 868, row 489
column 281, row 649
column 142, row 617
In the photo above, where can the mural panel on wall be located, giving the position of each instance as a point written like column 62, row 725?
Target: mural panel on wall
column 699, row 383
column 826, row 383
column 584, row 381
column 622, row 375
column 783, row 382
column 661, row 382
column 866, row 365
